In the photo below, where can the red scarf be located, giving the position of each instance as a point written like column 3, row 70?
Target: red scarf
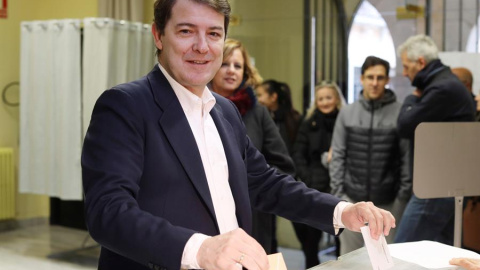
column 242, row 100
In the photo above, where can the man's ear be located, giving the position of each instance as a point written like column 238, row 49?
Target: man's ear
column 422, row 62
column 156, row 37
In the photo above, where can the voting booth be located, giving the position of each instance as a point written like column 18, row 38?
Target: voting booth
column 446, row 164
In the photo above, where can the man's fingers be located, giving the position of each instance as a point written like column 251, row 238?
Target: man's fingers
column 384, row 221
column 251, row 253
column 456, row 261
column 379, row 220
column 356, row 215
column 389, row 222
column 374, row 218
column 467, row 263
column 255, row 256
column 254, row 262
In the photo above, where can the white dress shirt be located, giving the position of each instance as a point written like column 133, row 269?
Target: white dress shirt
column 197, row 110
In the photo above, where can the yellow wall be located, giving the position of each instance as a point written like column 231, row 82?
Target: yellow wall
column 272, row 32
column 148, row 11
column 28, row 206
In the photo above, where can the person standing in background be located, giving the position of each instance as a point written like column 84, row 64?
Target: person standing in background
column 439, row 97
column 466, row 77
column 276, row 97
column 370, row 162
column 235, row 80
column 311, row 154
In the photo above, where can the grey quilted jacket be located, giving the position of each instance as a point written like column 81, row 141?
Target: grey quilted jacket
column 370, row 162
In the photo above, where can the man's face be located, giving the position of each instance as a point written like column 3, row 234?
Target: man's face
column 373, row 81
column 411, row 68
column 192, row 44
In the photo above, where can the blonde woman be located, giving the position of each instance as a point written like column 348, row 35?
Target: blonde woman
column 311, row 156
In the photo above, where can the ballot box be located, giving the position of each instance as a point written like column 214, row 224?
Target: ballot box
column 410, row 255
column 359, row 260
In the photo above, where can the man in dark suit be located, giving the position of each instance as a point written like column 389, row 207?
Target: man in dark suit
column 169, row 174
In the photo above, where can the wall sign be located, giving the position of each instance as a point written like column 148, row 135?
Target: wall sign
column 3, row 9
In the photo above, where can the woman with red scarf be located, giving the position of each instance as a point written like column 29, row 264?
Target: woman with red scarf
column 235, row 80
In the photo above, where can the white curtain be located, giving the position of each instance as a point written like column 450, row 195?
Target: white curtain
column 60, row 80
column 50, row 130
column 114, row 52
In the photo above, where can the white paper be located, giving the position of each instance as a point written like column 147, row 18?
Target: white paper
column 429, row 254
column 276, row 262
column 377, row 250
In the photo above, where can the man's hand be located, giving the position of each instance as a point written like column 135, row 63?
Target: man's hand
column 355, row 216
column 329, row 156
column 417, row 92
column 467, row 263
column 232, row 250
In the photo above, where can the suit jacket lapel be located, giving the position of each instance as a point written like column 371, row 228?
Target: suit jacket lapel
column 175, row 125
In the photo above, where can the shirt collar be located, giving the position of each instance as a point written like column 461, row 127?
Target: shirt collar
column 187, row 99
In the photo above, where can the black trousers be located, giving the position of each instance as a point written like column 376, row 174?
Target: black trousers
column 310, row 239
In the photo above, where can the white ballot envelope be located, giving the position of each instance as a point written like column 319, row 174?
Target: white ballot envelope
column 276, row 262
column 377, row 250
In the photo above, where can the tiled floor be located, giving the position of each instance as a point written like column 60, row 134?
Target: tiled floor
column 47, row 247
column 54, row 248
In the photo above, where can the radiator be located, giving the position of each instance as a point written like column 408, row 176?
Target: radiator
column 7, row 184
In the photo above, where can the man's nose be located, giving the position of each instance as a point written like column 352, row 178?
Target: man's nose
column 201, row 44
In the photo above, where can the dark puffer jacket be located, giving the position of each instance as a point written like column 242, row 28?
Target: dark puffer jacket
column 370, row 162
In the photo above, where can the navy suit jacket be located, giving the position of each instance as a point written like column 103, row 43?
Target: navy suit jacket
column 145, row 188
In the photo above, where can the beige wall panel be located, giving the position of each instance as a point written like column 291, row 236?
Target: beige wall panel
column 273, row 35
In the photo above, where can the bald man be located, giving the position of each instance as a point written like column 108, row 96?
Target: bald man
column 466, row 78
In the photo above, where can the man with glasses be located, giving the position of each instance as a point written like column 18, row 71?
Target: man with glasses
column 369, row 161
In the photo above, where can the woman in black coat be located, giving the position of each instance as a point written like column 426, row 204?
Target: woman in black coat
column 276, row 96
column 312, row 153
column 235, row 80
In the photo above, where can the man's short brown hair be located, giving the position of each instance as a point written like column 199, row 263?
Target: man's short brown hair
column 162, row 11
